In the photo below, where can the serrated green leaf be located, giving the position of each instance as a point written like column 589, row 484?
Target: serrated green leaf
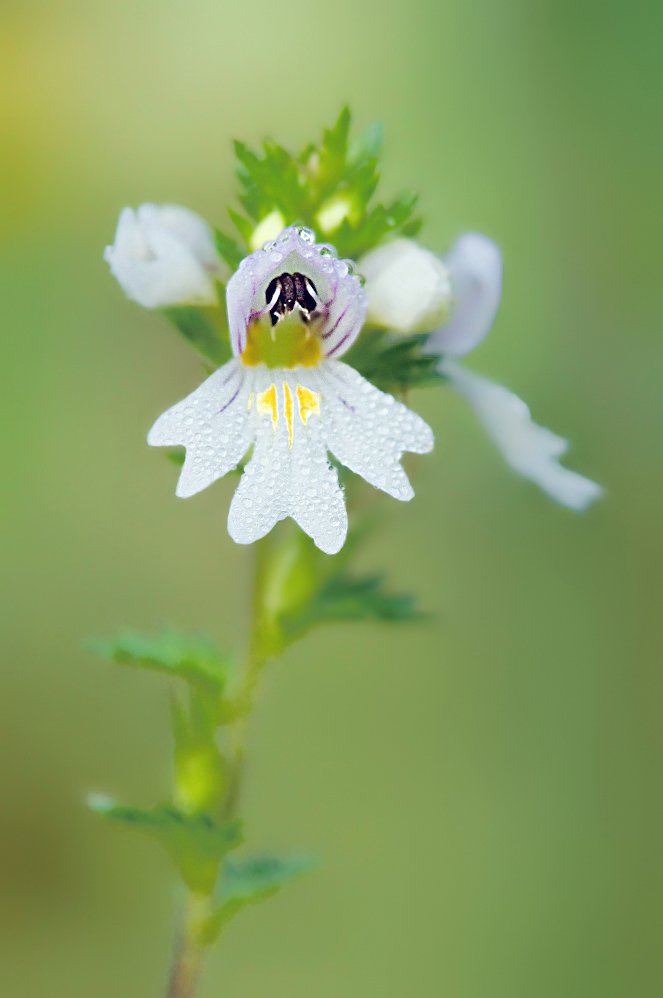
column 301, row 587
column 332, row 155
column 195, row 843
column 195, row 326
column 189, row 657
column 394, row 363
column 228, row 249
column 347, row 598
column 251, row 881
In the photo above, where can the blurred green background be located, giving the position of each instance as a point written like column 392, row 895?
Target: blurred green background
column 485, row 789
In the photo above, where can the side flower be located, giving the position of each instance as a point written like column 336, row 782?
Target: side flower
column 474, row 270
column 164, row 255
column 294, row 308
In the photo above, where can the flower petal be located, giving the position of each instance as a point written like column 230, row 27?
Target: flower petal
column 408, row 288
column 475, row 264
column 285, row 478
column 531, row 450
column 367, row 430
column 295, row 250
column 213, row 423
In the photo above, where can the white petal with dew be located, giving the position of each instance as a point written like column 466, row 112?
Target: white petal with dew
column 407, row 287
column 367, row 430
column 289, row 478
column 475, row 264
column 215, row 425
column 531, row 450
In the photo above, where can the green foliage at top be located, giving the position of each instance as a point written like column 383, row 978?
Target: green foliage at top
column 183, row 656
column 329, row 187
column 195, row 843
column 394, row 363
column 302, row 587
column 250, row 881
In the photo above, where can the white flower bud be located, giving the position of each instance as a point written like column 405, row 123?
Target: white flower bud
column 407, row 287
column 164, row 255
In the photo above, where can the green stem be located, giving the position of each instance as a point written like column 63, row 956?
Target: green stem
column 188, row 950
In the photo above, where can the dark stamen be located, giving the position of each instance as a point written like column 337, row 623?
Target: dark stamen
column 288, row 292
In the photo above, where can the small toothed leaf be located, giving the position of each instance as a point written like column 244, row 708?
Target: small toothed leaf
column 251, row 881
column 195, row 843
column 189, row 657
column 394, row 363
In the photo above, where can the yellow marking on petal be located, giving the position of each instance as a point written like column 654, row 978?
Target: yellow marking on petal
column 266, row 403
column 288, row 408
column 308, row 402
column 250, row 403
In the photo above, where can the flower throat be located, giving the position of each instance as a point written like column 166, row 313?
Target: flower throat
column 288, row 339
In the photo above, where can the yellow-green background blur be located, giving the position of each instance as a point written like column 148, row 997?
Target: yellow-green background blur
column 485, row 790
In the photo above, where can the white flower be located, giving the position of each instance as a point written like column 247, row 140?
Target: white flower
column 293, row 308
column 164, row 255
column 396, row 274
column 407, row 287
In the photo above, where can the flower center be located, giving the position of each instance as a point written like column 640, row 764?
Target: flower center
column 285, row 335
column 288, row 292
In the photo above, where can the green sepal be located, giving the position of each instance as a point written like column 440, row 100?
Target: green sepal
column 196, row 843
column 196, row 326
column 394, row 363
column 251, row 881
column 184, row 656
column 228, row 249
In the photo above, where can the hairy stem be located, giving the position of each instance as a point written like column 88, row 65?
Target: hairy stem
column 188, row 950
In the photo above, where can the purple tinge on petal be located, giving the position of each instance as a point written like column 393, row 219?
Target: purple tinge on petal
column 342, row 297
column 346, row 314
column 475, row 264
